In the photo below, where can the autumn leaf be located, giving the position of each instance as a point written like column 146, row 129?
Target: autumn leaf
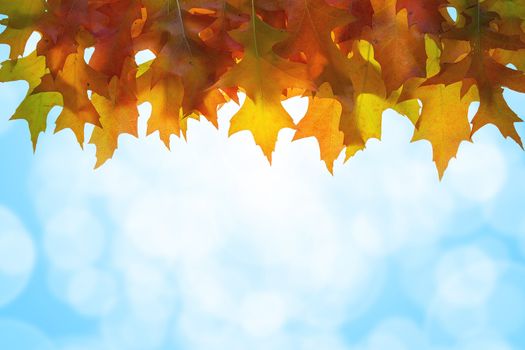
column 21, row 22
column 494, row 110
column 322, row 122
column 310, row 24
column 445, row 125
column 30, row 69
column 477, row 66
column 36, row 106
column 262, row 113
column 73, row 83
column 118, row 113
column 399, row 47
column 166, row 100
column 35, row 109
column 369, row 91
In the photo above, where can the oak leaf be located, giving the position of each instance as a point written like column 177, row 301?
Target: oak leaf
column 322, row 122
column 262, row 112
column 445, row 125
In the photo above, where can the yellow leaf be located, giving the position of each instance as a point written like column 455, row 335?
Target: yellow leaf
column 263, row 76
column 444, row 121
column 166, row 99
column 118, row 114
column 30, row 68
column 322, row 122
column 35, row 109
column 73, row 82
column 493, row 109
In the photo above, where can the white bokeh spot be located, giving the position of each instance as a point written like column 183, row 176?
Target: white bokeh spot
column 17, row 256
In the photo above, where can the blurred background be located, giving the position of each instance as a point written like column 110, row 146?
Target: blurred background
column 208, row 247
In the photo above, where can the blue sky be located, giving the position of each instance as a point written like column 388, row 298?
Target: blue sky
column 208, row 247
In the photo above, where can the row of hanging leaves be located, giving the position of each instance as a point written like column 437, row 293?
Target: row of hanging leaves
column 428, row 60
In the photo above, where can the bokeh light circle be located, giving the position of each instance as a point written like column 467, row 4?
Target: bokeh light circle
column 15, row 335
column 17, row 256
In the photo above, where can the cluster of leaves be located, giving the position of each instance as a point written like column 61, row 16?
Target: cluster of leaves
column 428, row 60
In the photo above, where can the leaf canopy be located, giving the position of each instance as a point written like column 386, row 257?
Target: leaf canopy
column 353, row 59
